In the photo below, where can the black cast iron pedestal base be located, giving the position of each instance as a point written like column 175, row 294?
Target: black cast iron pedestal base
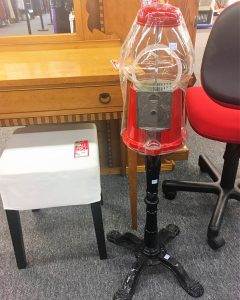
column 151, row 250
column 144, row 259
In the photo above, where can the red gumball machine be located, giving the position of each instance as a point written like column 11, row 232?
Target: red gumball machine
column 155, row 67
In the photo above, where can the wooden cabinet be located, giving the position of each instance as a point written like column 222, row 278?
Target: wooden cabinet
column 117, row 17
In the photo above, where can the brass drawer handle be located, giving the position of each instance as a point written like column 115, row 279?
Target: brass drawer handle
column 105, row 98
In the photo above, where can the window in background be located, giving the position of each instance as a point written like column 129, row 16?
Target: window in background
column 22, row 17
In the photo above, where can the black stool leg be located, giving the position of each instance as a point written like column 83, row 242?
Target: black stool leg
column 15, row 228
column 98, row 225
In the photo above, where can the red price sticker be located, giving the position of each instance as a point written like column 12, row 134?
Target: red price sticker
column 81, row 149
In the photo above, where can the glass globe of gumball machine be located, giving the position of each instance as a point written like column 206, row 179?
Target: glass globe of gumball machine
column 155, row 67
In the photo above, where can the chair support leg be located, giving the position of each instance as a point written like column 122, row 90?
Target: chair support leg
column 99, row 230
column 214, row 240
column 172, row 186
column 217, row 216
column 206, row 166
column 235, row 195
column 15, row 228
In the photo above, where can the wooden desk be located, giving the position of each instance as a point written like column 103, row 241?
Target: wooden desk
column 77, row 65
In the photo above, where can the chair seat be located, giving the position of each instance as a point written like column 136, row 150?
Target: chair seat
column 38, row 168
column 210, row 119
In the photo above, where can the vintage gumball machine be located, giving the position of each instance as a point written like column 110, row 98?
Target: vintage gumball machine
column 155, row 67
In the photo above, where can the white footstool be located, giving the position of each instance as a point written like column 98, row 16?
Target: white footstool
column 50, row 166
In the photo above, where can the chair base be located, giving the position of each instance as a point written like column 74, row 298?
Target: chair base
column 14, row 223
column 225, row 186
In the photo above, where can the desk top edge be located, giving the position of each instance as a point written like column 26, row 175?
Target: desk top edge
column 86, row 62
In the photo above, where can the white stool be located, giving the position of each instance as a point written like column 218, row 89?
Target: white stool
column 43, row 166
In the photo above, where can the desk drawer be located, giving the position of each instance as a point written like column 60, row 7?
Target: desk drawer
column 91, row 98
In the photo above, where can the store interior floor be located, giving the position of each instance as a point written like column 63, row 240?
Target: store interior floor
column 21, row 27
column 62, row 254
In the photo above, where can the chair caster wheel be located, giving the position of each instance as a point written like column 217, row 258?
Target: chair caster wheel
column 170, row 195
column 216, row 243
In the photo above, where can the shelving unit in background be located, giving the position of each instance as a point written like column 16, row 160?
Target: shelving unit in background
column 206, row 12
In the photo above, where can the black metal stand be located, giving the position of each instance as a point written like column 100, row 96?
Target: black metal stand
column 151, row 251
column 27, row 18
column 225, row 186
column 42, row 24
column 50, row 13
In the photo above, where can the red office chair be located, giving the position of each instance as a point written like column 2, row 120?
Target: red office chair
column 214, row 112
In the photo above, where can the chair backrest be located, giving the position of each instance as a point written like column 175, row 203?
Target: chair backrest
column 220, row 72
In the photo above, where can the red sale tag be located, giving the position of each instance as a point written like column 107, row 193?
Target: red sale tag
column 81, row 149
